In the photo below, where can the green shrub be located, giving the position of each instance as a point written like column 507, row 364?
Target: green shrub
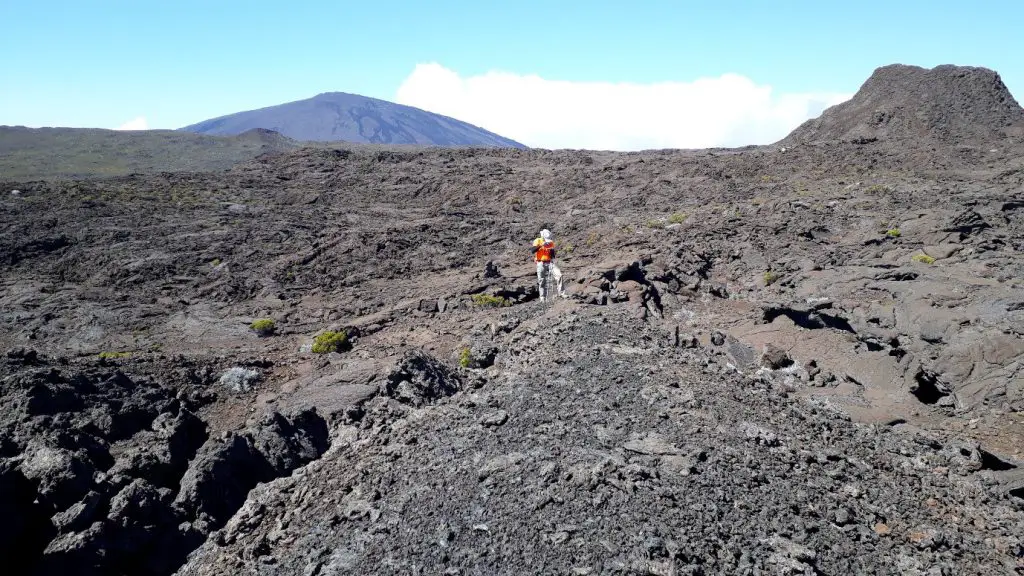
column 770, row 278
column 114, row 355
column 923, row 258
column 489, row 300
column 878, row 189
column 329, row 342
column 655, row 223
column 465, row 358
column 893, row 233
column 677, row 218
column 263, row 326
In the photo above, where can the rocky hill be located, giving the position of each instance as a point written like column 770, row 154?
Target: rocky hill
column 770, row 362
column 948, row 105
column 339, row 116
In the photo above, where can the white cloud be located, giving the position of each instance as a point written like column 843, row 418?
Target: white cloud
column 134, row 124
column 729, row 110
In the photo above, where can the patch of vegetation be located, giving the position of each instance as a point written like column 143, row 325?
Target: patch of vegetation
column 655, row 223
column 678, row 218
column 893, row 233
column 329, row 342
column 465, row 358
column 923, row 258
column 490, row 300
column 263, row 326
column 766, row 178
column 878, row 189
column 114, row 355
column 770, row 278
column 567, row 248
column 515, row 201
column 215, row 262
column 592, row 239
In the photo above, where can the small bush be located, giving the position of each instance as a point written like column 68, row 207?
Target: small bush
column 893, row 233
column 677, row 218
column 770, row 278
column 329, row 342
column 114, row 355
column 263, row 326
column 655, row 224
column 465, row 358
column 215, row 262
column 489, row 300
column 515, row 201
column 878, row 189
column 592, row 239
column 238, row 379
column 923, row 258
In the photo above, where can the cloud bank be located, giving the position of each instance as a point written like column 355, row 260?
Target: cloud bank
column 134, row 124
column 730, row 110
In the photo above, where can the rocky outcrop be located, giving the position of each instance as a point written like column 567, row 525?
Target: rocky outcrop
column 80, row 506
column 951, row 105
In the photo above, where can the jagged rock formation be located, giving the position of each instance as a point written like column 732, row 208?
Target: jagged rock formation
column 104, row 474
column 950, row 105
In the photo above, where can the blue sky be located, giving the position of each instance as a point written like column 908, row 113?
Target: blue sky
column 102, row 63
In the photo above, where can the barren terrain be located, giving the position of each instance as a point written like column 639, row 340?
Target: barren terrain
column 805, row 358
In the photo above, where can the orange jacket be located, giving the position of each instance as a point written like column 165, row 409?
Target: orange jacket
column 543, row 251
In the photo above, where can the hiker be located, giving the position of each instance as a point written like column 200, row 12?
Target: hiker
column 544, row 255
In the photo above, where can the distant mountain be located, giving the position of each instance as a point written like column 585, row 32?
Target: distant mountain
column 947, row 104
column 336, row 116
column 43, row 153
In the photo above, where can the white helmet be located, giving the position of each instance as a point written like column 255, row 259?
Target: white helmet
column 545, row 234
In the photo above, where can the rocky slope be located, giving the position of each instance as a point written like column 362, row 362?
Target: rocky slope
column 339, row 116
column 595, row 445
column 946, row 105
column 772, row 361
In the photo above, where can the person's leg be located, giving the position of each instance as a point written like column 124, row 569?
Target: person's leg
column 556, row 274
column 541, row 273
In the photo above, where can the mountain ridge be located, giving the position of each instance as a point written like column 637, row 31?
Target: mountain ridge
column 343, row 116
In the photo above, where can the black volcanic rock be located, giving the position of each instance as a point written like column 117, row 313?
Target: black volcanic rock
column 947, row 104
column 338, row 116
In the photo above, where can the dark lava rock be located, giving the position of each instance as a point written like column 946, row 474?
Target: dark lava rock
column 25, row 528
column 775, row 358
column 287, row 444
column 219, row 478
column 420, row 379
column 947, row 104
